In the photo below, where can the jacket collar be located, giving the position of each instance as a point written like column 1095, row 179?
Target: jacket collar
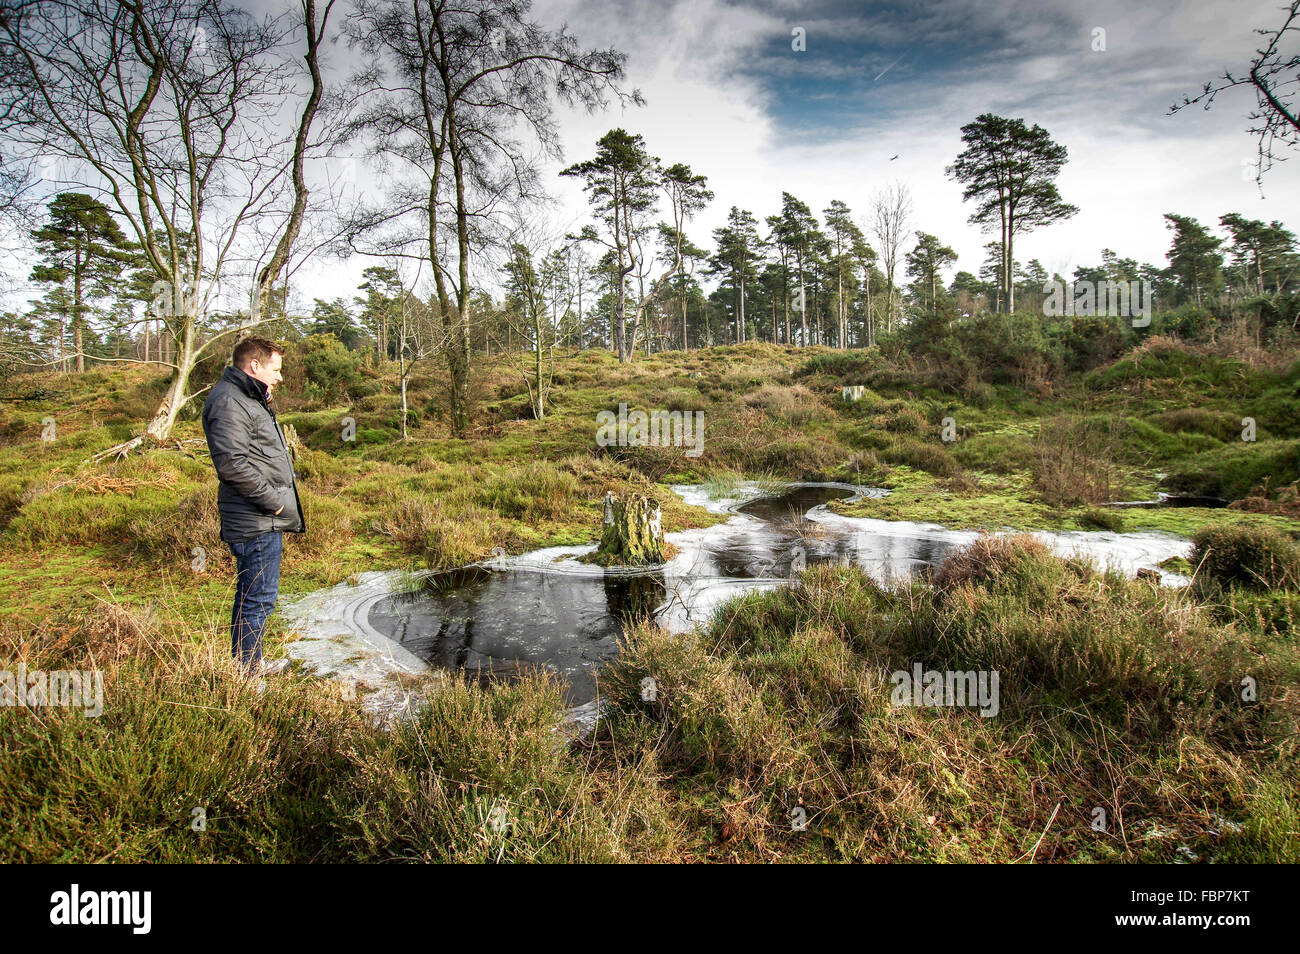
column 249, row 385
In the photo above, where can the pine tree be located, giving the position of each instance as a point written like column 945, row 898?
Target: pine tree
column 1194, row 256
column 926, row 261
column 736, row 258
column 82, row 244
column 1010, row 169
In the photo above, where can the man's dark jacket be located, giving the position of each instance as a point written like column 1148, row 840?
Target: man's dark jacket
column 252, row 460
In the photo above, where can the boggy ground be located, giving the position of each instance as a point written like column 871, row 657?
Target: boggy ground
column 1116, row 695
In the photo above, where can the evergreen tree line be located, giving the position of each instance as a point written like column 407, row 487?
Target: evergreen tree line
column 800, row 280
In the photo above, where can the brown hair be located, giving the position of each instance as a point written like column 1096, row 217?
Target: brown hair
column 251, row 348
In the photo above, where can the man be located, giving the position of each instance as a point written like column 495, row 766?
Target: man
column 258, row 496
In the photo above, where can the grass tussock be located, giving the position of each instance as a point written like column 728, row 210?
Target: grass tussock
column 1112, row 695
column 773, row 734
column 294, row 774
column 1252, row 557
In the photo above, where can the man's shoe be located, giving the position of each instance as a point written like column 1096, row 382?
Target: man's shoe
column 273, row 667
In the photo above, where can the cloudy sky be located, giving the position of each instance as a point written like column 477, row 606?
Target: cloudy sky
column 728, row 94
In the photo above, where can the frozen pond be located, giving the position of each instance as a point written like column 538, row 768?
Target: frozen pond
column 545, row 608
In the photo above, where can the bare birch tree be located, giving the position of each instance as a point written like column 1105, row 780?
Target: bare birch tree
column 456, row 92
column 888, row 223
column 170, row 109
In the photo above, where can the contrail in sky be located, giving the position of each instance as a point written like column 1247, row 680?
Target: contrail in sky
column 888, row 68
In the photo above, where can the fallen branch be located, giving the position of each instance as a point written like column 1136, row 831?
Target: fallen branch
column 108, row 484
column 118, row 451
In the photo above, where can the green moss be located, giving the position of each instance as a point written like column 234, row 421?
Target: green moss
column 1098, row 518
column 918, row 497
column 1233, row 470
column 1001, row 452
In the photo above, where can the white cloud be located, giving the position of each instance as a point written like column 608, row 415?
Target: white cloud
column 709, row 74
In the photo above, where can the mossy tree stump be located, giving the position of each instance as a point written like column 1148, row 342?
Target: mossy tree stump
column 633, row 532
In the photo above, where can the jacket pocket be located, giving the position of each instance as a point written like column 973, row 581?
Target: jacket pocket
column 241, row 518
column 285, row 505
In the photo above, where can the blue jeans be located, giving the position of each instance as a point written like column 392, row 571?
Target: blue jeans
column 257, row 584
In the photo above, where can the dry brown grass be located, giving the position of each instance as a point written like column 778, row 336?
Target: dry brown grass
column 1261, row 500
column 989, row 557
column 789, row 404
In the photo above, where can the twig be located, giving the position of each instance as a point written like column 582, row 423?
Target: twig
column 190, row 705
column 1034, row 852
